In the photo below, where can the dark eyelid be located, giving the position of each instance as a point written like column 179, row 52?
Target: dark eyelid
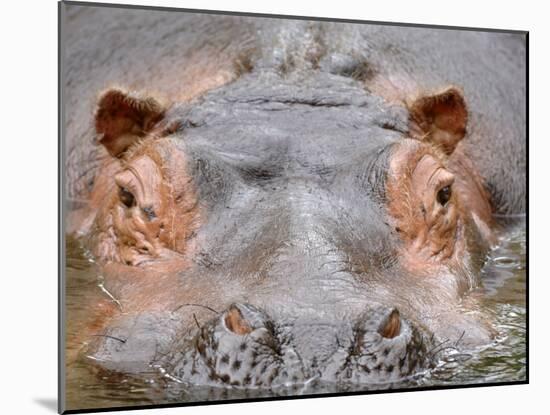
column 125, row 189
column 441, row 178
column 127, row 185
column 442, row 182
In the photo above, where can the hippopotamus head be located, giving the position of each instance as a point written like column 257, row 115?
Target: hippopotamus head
column 284, row 228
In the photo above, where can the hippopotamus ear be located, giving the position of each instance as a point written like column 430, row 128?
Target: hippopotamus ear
column 439, row 119
column 122, row 118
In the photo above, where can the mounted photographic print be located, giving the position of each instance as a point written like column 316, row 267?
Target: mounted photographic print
column 262, row 207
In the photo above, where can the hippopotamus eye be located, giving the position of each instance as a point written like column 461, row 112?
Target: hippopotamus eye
column 126, row 197
column 444, row 195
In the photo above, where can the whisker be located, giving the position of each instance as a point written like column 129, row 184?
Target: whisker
column 196, row 321
column 109, row 337
column 460, row 338
column 432, row 350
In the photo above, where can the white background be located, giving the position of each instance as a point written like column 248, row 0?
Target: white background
column 28, row 204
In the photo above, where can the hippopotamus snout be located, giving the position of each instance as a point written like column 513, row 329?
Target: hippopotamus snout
column 243, row 346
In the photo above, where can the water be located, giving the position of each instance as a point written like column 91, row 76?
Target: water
column 504, row 298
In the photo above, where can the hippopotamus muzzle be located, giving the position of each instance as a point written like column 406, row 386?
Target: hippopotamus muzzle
column 243, row 346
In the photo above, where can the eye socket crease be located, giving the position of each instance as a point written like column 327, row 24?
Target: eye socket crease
column 441, row 177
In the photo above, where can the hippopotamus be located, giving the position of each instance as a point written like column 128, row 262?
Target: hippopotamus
column 272, row 202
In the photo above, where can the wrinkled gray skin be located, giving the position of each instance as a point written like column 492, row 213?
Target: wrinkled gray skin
column 289, row 161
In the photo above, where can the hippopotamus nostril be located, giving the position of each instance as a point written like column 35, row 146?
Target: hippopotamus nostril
column 242, row 319
column 391, row 325
column 235, row 322
column 385, row 347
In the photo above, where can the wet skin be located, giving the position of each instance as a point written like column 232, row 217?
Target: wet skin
column 288, row 226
